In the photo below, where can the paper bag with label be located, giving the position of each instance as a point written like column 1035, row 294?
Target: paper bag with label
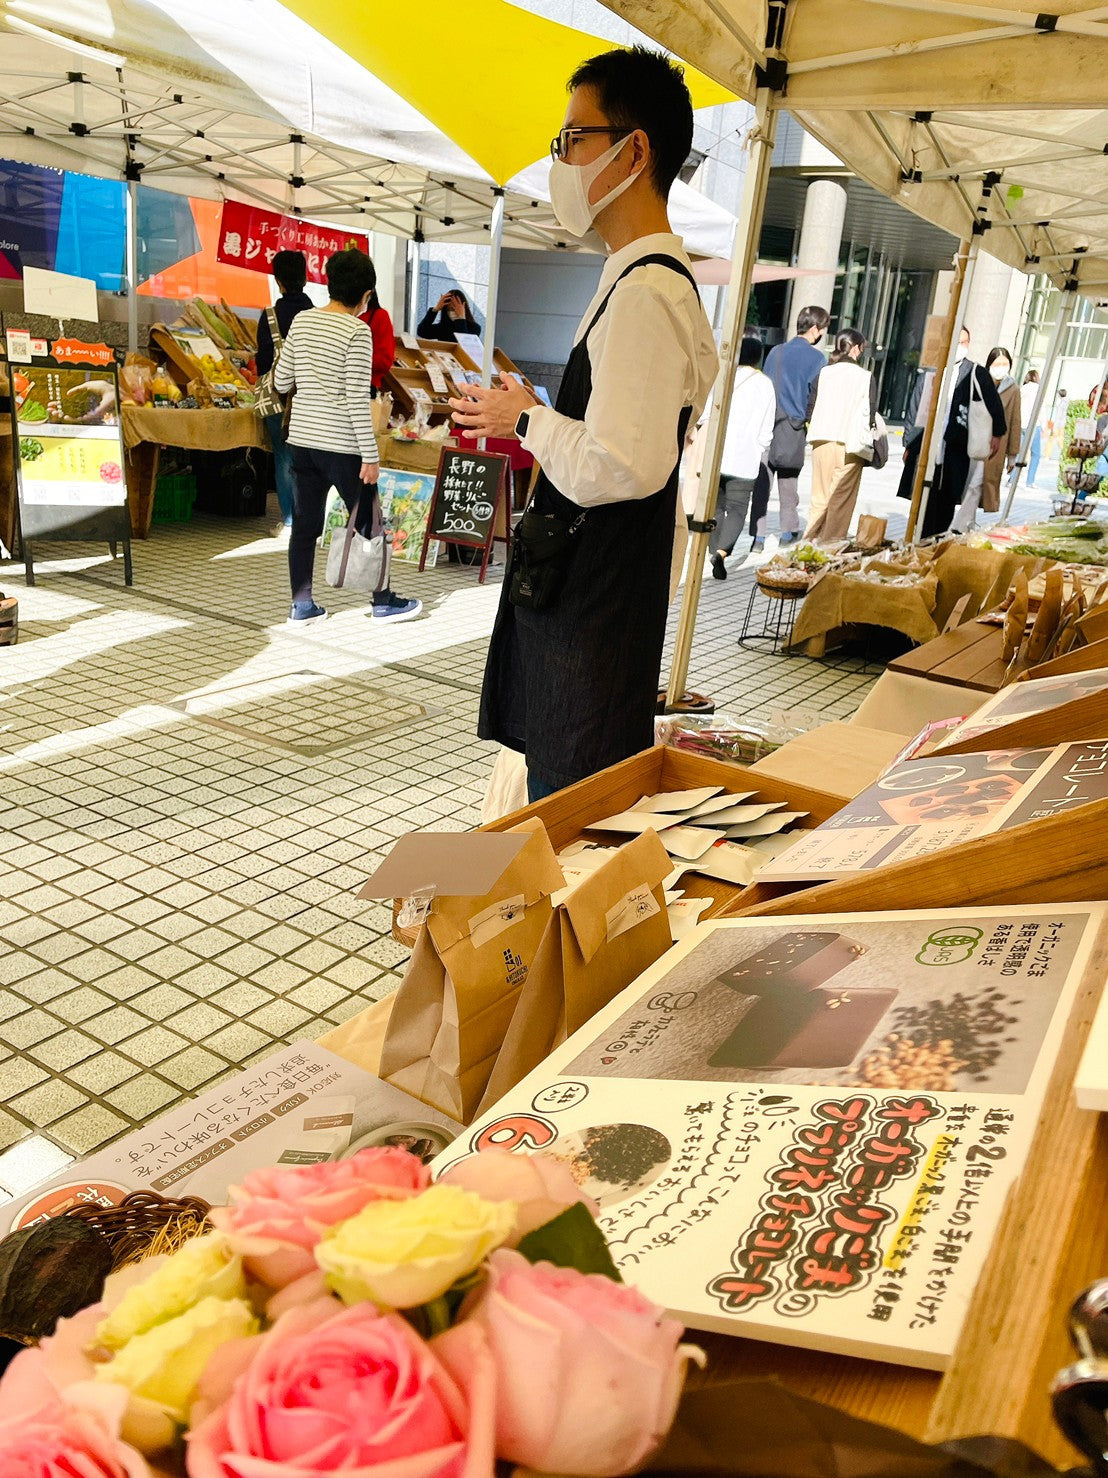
column 468, row 967
column 611, row 928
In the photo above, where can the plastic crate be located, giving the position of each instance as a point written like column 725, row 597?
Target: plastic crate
column 174, row 497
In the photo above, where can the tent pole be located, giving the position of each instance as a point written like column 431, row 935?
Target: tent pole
column 941, row 387
column 747, row 232
column 1053, row 349
column 132, row 267
column 494, row 287
column 413, row 281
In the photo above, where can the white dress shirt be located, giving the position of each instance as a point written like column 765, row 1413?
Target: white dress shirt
column 750, row 419
column 652, row 354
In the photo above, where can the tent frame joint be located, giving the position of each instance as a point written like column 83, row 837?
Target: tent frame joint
column 1046, row 23
column 774, row 75
column 701, row 525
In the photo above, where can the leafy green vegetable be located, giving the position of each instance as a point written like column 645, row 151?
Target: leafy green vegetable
column 30, row 449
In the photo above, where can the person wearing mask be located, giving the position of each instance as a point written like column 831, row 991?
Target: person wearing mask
column 953, row 465
column 449, row 317
column 377, row 320
column 328, row 360
column 750, row 418
column 290, row 272
column 792, row 368
column 572, row 680
column 983, row 488
column 841, row 416
column 1029, row 393
column 915, row 422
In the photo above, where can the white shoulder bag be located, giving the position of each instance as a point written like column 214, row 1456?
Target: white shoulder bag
column 355, row 562
column 979, row 426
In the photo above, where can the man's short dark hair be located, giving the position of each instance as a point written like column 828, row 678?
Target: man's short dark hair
column 290, row 268
column 750, row 351
column 639, row 88
column 350, row 276
column 814, row 317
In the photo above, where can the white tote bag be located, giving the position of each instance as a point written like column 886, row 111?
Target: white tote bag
column 355, row 562
column 979, row 426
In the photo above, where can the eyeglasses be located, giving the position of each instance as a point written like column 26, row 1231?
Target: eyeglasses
column 560, row 145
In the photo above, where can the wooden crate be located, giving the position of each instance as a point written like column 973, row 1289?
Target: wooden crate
column 9, row 621
column 412, row 456
column 566, row 813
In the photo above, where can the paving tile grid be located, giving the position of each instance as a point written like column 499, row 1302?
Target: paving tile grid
column 179, row 892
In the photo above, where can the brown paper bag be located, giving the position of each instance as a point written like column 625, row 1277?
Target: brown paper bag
column 611, row 928
column 381, row 409
column 871, row 531
column 458, row 994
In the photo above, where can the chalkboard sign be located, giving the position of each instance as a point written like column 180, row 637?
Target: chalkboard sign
column 470, row 502
column 69, row 455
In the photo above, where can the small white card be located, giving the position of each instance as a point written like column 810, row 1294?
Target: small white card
column 678, row 800
column 731, row 863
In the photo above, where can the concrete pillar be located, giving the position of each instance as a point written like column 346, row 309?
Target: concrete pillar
column 988, row 300
column 390, row 258
column 821, row 234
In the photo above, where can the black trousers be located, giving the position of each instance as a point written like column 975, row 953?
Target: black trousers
column 759, row 503
column 317, row 472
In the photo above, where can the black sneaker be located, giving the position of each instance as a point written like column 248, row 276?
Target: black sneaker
column 304, row 612
column 719, row 567
column 388, row 606
column 757, row 546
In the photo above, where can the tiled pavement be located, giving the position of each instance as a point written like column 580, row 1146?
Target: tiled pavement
column 191, row 796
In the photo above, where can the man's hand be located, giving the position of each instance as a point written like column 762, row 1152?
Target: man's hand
column 994, row 445
column 492, row 412
column 369, row 472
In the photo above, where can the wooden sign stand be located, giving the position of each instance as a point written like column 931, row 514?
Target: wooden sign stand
column 465, row 510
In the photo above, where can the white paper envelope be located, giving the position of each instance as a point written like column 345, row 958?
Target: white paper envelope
column 633, row 822
column 765, row 826
column 678, row 800
column 734, row 815
column 719, row 803
column 731, row 863
column 684, row 915
column 773, row 846
column 689, row 842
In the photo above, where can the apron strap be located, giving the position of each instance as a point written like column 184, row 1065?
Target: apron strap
column 658, row 259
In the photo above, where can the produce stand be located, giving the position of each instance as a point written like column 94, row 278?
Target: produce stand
column 920, row 611
column 146, row 429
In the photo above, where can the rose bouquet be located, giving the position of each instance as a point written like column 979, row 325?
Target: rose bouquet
column 353, row 1318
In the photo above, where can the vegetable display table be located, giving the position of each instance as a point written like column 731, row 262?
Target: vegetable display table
column 146, row 429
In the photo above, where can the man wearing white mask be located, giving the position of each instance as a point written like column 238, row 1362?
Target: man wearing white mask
column 572, row 674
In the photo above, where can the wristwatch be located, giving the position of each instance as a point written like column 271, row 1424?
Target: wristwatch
column 523, row 420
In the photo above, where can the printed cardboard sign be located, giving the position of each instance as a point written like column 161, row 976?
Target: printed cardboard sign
column 925, row 805
column 805, row 1130
column 296, row 1107
column 1021, row 700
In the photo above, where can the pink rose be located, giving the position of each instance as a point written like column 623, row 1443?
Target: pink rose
column 277, row 1215
column 542, row 1188
column 51, row 1436
column 587, row 1371
column 337, row 1392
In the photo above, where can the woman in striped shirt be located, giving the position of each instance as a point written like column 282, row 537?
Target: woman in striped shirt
column 328, row 359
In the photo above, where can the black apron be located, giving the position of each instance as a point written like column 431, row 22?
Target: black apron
column 574, row 686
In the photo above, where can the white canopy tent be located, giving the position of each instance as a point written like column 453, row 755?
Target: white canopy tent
column 983, row 117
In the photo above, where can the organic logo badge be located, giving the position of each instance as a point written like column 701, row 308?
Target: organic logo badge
column 951, row 946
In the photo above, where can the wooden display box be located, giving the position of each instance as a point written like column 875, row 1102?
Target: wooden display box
column 1053, row 1238
column 412, row 456
column 1082, row 718
column 567, row 813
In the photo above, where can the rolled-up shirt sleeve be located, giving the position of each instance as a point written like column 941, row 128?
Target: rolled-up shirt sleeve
column 641, row 352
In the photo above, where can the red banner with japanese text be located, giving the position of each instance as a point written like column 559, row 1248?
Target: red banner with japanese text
column 251, row 238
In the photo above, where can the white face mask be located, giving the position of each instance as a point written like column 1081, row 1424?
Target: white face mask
column 569, row 190
column 1000, row 371
column 960, row 353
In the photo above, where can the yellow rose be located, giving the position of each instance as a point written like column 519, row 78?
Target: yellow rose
column 398, row 1254
column 203, row 1268
column 164, row 1364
